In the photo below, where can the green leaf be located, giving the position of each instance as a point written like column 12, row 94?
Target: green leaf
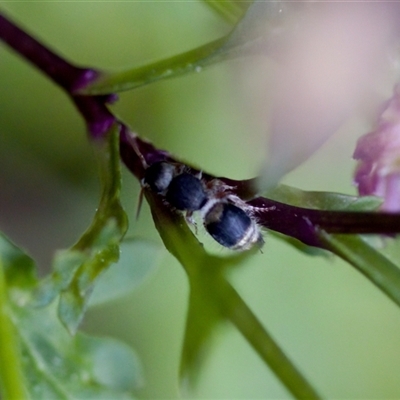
column 75, row 297
column 39, row 359
column 191, row 61
column 19, row 268
column 359, row 251
column 65, row 265
column 246, row 38
column 75, row 271
column 137, row 260
column 213, row 300
column 322, row 200
column 59, row 366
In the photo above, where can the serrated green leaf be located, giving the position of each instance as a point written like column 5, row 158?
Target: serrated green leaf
column 19, row 268
column 76, row 270
column 58, row 366
column 100, row 243
column 137, row 260
column 38, row 355
column 75, row 297
column 65, row 265
column 213, row 300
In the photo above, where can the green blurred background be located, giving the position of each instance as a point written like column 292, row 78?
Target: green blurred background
column 339, row 329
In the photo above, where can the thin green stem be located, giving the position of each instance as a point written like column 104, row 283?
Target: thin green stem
column 371, row 263
column 237, row 311
column 181, row 64
column 209, row 284
column 11, row 375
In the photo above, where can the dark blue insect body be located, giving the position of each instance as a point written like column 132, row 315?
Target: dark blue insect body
column 231, row 227
column 227, row 223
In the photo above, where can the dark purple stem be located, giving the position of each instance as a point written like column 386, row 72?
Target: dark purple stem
column 63, row 73
column 300, row 223
column 96, row 114
column 304, row 223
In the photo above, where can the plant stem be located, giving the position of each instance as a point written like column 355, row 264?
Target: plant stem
column 63, row 73
column 304, row 224
column 237, row 311
column 371, row 263
column 11, row 375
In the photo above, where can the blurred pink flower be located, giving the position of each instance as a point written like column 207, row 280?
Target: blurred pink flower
column 378, row 153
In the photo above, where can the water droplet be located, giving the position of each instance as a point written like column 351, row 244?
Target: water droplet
column 168, row 72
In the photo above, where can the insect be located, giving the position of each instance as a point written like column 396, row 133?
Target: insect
column 231, row 226
column 224, row 215
column 184, row 191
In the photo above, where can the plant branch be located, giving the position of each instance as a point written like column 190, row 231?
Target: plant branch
column 212, row 290
column 304, row 223
column 300, row 223
column 69, row 77
column 372, row 264
column 63, row 73
column 237, row 311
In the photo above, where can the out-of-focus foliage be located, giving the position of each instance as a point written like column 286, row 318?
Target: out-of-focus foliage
column 76, row 270
column 137, row 260
column 257, row 28
column 54, row 364
column 319, row 309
